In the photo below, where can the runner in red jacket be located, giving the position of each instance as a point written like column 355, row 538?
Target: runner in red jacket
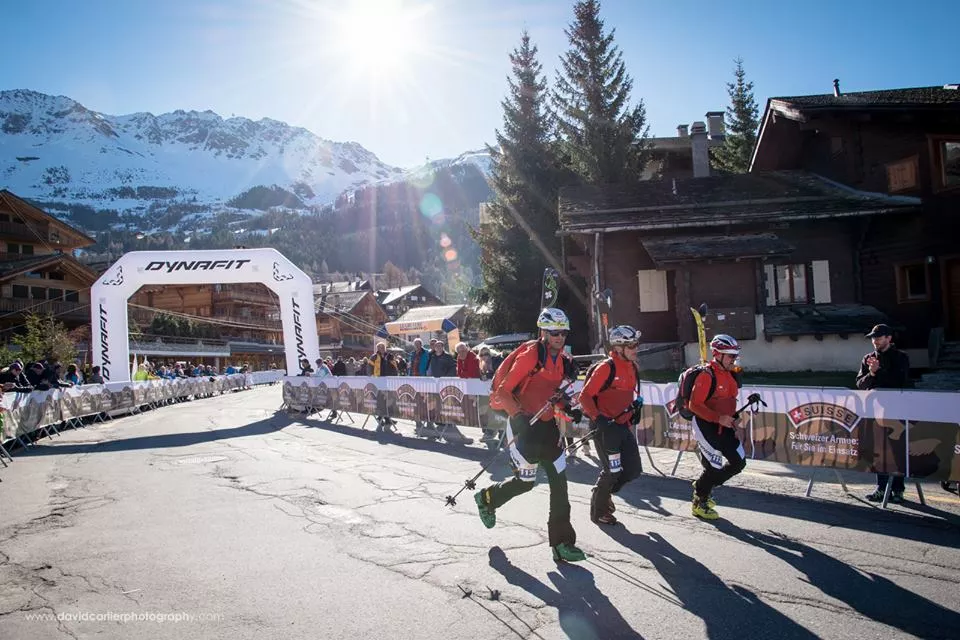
column 528, row 386
column 713, row 402
column 611, row 399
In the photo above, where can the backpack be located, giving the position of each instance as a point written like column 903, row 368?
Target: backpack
column 610, row 376
column 496, row 402
column 685, row 388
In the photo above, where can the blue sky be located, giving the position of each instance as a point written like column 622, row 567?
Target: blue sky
column 424, row 78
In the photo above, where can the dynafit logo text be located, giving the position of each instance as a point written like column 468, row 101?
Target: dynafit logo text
column 823, row 411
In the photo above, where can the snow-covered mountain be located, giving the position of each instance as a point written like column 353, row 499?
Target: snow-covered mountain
column 53, row 148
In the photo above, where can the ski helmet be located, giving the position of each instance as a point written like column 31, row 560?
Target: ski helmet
column 725, row 344
column 552, row 319
column 624, row 335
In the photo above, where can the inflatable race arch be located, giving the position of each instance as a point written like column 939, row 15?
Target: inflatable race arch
column 108, row 298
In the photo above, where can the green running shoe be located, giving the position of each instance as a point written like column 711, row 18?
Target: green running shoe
column 568, row 553
column 487, row 515
column 711, row 503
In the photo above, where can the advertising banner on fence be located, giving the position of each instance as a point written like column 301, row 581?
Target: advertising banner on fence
column 26, row 412
column 915, row 433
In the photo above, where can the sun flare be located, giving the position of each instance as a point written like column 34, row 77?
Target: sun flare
column 379, row 39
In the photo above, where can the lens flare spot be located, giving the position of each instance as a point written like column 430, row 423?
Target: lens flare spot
column 445, row 241
column 450, row 255
column 431, row 205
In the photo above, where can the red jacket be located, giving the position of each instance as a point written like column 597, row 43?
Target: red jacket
column 615, row 399
column 723, row 402
column 526, row 393
column 469, row 366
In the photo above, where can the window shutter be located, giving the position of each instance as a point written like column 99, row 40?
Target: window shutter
column 653, row 291
column 769, row 277
column 821, row 282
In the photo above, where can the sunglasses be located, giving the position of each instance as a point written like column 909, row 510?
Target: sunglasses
column 557, row 334
column 631, row 345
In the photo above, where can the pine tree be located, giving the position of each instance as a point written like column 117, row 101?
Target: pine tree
column 45, row 337
column 742, row 121
column 603, row 136
column 522, row 225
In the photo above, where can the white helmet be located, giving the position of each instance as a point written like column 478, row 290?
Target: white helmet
column 552, row 319
column 623, row 335
column 723, row 343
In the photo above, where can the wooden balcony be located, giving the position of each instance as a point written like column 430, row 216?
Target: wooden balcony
column 242, row 296
column 64, row 311
column 18, row 231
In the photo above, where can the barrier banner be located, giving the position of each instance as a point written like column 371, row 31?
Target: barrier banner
column 914, row 433
column 27, row 412
column 78, row 402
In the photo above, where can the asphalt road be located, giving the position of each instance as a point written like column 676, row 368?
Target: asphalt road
column 223, row 518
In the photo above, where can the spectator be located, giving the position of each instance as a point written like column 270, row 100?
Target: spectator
column 364, row 368
column 377, row 359
column 322, row 370
column 442, row 364
column 419, row 359
column 339, row 367
column 488, row 363
column 73, row 376
column 12, row 378
column 305, row 369
column 389, row 367
column 885, row 368
column 401, row 366
column 468, row 364
column 95, row 377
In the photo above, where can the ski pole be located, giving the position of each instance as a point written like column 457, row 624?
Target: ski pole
column 471, row 483
column 752, row 400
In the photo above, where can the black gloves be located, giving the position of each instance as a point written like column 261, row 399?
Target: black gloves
column 636, row 410
column 574, row 414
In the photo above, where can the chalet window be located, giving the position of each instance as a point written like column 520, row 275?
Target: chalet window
column 38, row 293
column 4, row 217
column 72, row 296
column 54, row 294
column 653, row 291
column 20, row 291
column 26, row 249
column 913, row 282
column 34, row 274
column 54, row 275
column 950, row 163
column 13, row 247
column 903, row 175
column 798, row 283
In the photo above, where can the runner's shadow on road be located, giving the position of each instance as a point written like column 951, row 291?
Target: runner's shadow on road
column 274, row 423
column 897, row 524
column 727, row 611
column 869, row 594
column 584, row 611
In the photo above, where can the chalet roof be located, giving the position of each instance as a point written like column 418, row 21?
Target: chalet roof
column 425, row 314
column 717, row 201
column 390, row 296
column 21, row 207
column 346, row 301
column 914, row 97
column 341, row 287
column 671, row 249
column 12, row 268
column 822, row 319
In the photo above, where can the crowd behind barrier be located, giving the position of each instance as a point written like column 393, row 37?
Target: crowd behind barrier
column 912, row 433
column 26, row 413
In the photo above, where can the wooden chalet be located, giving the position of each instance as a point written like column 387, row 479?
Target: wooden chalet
column 398, row 301
column 38, row 273
column 772, row 254
column 348, row 317
column 900, row 142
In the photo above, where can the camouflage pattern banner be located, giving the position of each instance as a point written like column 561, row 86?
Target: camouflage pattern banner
column 24, row 413
column 914, row 433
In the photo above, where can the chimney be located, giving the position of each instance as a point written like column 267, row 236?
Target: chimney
column 715, row 125
column 836, row 87
column 682, row 131
column 698, row 145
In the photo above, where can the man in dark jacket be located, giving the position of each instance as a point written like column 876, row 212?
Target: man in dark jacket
column 885, row 368
column 339, row 367
column 12, row 378
column 442, row 364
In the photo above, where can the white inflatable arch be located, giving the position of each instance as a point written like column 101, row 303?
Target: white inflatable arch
column 108, row 298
